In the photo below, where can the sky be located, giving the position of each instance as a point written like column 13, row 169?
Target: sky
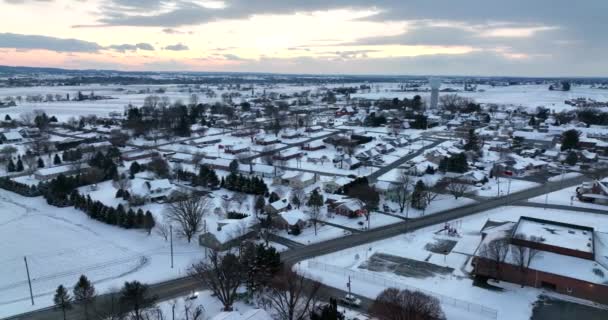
column 392, row 37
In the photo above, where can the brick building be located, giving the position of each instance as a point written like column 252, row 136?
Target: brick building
column 565, row 258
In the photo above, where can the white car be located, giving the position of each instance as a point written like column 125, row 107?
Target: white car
column 351, row 300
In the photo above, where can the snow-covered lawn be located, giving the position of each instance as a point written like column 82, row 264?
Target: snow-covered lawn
column 62, row 243
column 512, row 303
column 502, row 187
column 567, row 197
column 307, row 236
column 376, row 220
column 441, row 203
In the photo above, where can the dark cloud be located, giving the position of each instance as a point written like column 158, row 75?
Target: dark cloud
column 30, row 42
column 177, row 47
column 131, row 47
column 175, row 31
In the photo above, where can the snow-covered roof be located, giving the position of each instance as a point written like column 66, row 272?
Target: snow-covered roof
column 293, row 216
column 558, row 235
column 161, row 184
column 12, row 135
column 279, row 204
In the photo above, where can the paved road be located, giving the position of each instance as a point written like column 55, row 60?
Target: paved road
column 184, row 286
column 561, row 207
column 103, row 303
column 375, row 175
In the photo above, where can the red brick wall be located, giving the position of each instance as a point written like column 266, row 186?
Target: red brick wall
column 533, row 278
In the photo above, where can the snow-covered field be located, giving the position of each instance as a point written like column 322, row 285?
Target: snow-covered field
column 512, row 303
column 62, row 243
column 530, row 96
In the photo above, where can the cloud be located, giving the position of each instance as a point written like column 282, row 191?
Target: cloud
column 232, row 57
column 32, row 42
column 175, row 31
column 131, row 47
column 177, row 47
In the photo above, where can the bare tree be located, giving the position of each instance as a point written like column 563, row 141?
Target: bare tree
column 395, row 304
column 239, row 198
column 523, row 255
column 402, row 190
column 192, row 312
column 268, row 155
column 27, row 118
column 122, row 183
column 292, row 296
column 188, row 214
column 496, row 252
column 457, row 189
column 197, row 158
column 162, row 229
column 222, row 274
column 298, row 192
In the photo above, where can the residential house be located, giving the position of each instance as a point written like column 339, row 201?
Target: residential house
column 289, row 219
column 11, row 137
column 45, row 174
column 288, row 154
column 313, row 145
column 277, row 207
column 229, row 233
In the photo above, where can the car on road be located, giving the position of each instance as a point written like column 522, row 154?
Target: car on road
column 351, row 300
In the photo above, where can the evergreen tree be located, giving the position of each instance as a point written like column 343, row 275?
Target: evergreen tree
column 56, row 159
column 139, row 219
column 129, row 221
column 7, row 118
column 418, row 201
column 126, row 195
column 134, row 169
column 260, row 203
column 40, row 163
column 149, row 222
column 11, row 166
column 19, row 165
column 273, row 197
column 570, row 139
column 532, row 121
column 121, row 215
column 472, row 143
column 234, row 167
column 571, row 158
column 296, row 201
column 84, row 293
column 119, row 193
column 62, row 300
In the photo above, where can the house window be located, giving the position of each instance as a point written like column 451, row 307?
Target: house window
column 569, row 290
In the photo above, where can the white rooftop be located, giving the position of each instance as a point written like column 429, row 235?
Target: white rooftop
column 557, row 235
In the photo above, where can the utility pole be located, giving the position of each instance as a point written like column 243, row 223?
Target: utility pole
column 348, row 285
column 171, row 235
column 29, row 281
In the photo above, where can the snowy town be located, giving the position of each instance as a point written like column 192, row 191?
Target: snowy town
column 345, row 189
column 303, row 160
